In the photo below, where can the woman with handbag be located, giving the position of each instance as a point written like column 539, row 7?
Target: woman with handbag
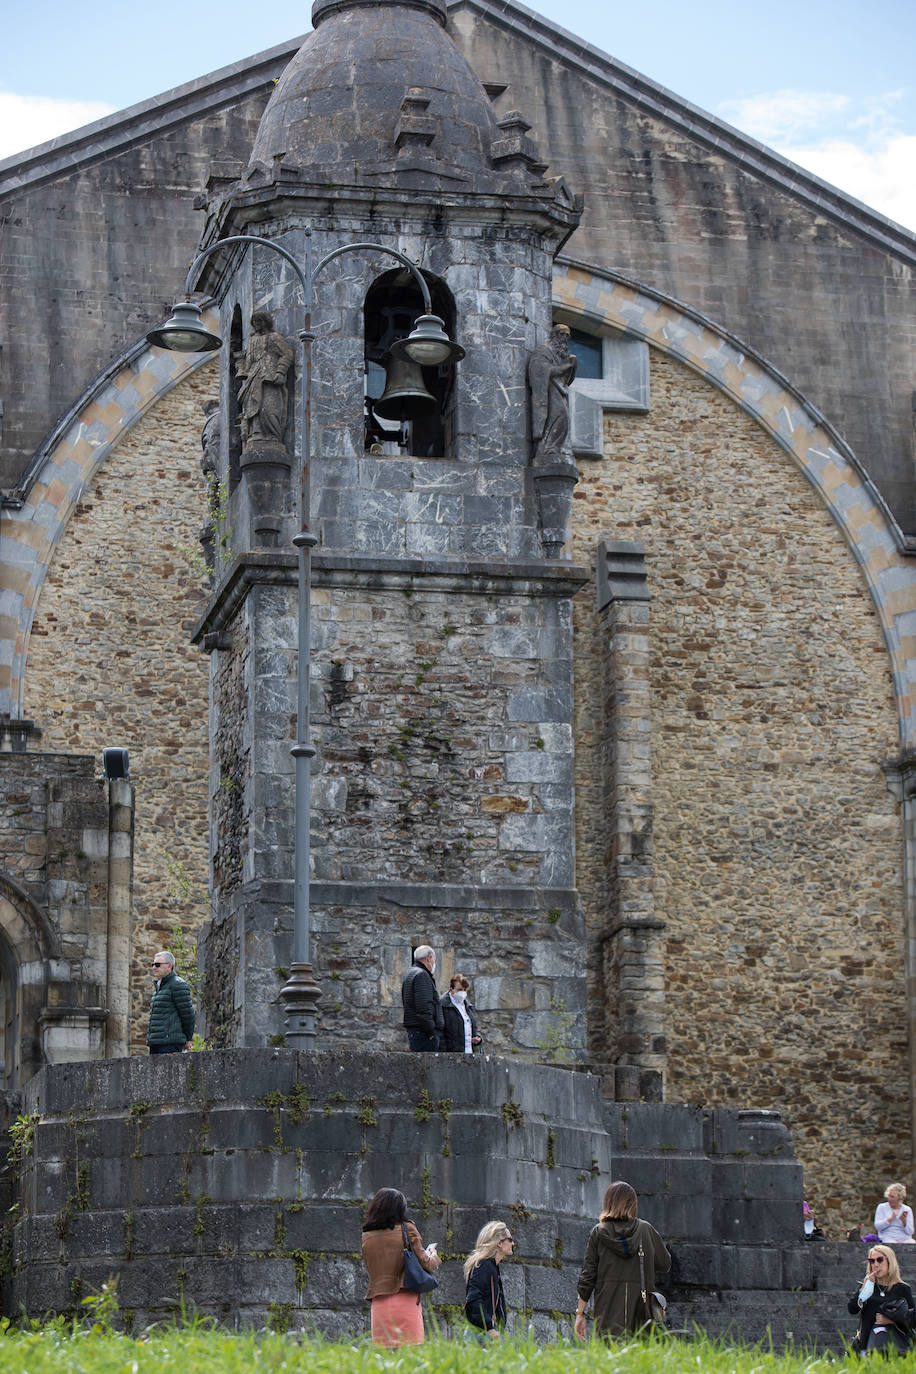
column 622, row 1258
column 484, row 1302
column 397, row 1314
column 885, row 1306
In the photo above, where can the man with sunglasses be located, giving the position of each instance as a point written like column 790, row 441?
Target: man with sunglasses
column 171, row 1012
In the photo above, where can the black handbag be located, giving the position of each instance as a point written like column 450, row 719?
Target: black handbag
column 655, row 1303
column 416, row 1279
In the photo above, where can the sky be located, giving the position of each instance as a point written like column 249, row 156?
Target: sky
column 830, row 84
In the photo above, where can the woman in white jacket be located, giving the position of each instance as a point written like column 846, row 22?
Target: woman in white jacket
column 893, row 1219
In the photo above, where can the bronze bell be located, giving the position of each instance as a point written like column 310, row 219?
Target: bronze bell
column 405, row 397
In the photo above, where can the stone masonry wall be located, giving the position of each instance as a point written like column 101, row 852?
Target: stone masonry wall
column 111, row 663
column 777, row 844
column 664, row 206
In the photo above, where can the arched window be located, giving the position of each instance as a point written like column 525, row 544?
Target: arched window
column 9, row 1021
column 408, row 408
column 236, row 348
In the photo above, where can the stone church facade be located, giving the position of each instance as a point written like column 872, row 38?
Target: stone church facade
column 651, row 795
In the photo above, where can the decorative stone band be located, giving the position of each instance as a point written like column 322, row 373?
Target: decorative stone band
column 828, row 463
column 35, row 517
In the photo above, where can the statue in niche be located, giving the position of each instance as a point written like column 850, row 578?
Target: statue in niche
column 263, row 394
column 551, row 370
column 209, row 466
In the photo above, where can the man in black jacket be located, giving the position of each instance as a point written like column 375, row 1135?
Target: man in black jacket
column 422, row 1010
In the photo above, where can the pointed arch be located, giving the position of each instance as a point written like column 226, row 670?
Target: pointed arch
column 35, row 519
column 826, row 460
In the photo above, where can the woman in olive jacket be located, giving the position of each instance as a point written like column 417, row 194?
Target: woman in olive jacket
column 611, row 1270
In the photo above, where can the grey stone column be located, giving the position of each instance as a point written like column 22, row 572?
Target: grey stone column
column 118, row 942
column 901, row 779
column 632, row 955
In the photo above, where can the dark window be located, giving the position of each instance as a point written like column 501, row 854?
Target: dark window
column 587, row 348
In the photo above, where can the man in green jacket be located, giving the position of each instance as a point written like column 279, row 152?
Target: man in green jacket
column 171, row 1012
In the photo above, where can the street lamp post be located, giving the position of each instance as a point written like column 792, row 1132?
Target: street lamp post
column 428, row 345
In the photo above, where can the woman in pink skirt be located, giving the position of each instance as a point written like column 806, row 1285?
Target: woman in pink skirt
column 397, row 1316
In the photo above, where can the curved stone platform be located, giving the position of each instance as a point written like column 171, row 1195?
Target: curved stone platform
column 236, row 1180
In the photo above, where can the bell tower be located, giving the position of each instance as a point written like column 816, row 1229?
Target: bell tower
column 441, row 801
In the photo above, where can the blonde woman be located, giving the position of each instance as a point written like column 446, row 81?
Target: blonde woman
column 884, row 1304
column 893, row 1220
column 484, row 1303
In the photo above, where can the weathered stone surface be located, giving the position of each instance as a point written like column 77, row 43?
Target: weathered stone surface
column 774, row 832
column 275, row 1155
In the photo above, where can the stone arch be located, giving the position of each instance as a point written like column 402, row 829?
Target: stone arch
column 25, row 924
column 826, row 460
column 57, row 477
column 27, row 942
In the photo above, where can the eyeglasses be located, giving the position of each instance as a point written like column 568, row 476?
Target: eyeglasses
column 160, row 963
column 509, row 1239
column 877, row 1259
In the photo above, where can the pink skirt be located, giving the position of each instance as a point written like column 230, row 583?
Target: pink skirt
column 397, row 1319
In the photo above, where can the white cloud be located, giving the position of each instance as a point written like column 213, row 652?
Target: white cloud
column 27, row 120
column 859, row 147
column 784, row 115
column 881, row 175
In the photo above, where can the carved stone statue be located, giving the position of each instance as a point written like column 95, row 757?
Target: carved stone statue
column 209, row 466
column 209, row 441
column 263, row 394
column 551, row 369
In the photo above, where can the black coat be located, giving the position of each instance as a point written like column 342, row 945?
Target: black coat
column 422, row 1009
column 484, row 1304
column 895, row 1302
column 453, row 1037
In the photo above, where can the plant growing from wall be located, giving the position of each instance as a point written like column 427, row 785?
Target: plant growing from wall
column 556, row 1044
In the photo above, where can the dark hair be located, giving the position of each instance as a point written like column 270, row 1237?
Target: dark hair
column 619, row 1203
column 388, row 1208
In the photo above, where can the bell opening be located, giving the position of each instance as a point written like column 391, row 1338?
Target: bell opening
column 408, row 406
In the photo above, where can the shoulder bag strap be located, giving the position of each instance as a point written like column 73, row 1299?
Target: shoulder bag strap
column 642, row 1276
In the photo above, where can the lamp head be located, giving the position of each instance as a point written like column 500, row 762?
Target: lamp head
column 428, row 344
column 184, row 332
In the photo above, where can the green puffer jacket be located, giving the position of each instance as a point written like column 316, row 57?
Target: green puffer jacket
column 171, row 1012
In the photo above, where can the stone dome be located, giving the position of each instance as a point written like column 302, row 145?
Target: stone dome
column 379, row 93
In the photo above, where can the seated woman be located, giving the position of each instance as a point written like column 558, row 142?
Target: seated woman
column 397, row 1316
column 894, row 1221
column 484, row 1303
column 885, row 1304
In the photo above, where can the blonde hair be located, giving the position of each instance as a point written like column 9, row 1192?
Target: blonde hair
column 896, row 1188
column 486, row 1245
column 893, row 1268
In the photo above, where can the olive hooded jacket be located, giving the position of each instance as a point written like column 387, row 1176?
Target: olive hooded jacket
column 611, row 1273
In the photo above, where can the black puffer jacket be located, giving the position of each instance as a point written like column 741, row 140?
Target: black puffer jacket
column 171, row 1012
column 895, row 1303
column 422, row 1010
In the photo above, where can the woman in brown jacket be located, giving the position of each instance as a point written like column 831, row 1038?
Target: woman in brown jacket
column 611, row 1270
column 397, row 1316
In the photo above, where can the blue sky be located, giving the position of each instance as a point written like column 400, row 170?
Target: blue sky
column 830, row 84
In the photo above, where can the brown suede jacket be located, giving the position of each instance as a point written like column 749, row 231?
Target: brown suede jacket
column 383, row 1256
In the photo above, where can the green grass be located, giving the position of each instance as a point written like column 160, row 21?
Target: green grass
column 70, row 1348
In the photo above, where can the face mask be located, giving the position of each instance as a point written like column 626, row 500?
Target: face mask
column 459, row 994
